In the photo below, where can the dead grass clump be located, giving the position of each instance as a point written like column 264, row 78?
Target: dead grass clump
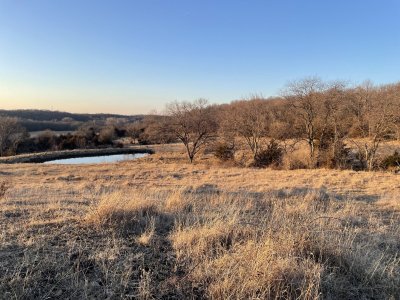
column 3, row 189
column 125, row 212
column 257, row 270
column 147, row 236
column 312, row 202
column 206, row 241
column 177, row 202
column 391, row 203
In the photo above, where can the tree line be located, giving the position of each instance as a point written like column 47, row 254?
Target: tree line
column 50, row 115
column 15, row 139
column 39, row 120
column 342, row 126
column 339, row 124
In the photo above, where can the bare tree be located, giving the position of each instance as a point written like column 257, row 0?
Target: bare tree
column 333, row 125
column 11, row 134
column 155, row 130
column 360, row 106
column 396, row 99
column 305, row 98
column 375, row 117
column 193, row 123
column 248, row 119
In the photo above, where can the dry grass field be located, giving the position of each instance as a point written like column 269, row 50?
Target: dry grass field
column 160, row 228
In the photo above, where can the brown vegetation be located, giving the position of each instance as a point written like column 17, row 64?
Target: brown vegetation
column 160, row 228
column 344, row 127
column 194, row 124
column 11, row 135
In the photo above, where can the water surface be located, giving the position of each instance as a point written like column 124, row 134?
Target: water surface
column 101, row 159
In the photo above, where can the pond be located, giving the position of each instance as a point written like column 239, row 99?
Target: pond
column 101, row 159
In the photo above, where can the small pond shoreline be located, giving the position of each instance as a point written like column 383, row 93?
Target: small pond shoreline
column 55, row 155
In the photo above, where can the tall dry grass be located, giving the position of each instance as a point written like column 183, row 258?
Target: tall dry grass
column 158, row 229
column 286, row 245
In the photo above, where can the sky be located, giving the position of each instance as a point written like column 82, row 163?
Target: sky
column 133, row 57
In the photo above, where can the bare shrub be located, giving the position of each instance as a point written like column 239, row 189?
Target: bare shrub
column 337, row 157
column 11, row 135
column 47, row 140
column 224, row 152
column 391, row 162
column 294, row 164
column 106, row 135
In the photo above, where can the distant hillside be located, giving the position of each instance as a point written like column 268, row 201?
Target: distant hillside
column 48, row 115
column 36, row 120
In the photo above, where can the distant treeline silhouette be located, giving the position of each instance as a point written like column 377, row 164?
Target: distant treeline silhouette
column 49, row 115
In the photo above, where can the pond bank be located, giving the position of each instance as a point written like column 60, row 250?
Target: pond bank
column 53, row 155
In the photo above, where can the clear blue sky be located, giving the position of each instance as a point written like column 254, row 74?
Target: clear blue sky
column 134, row 56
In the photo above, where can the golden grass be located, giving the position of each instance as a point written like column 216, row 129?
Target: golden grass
column 290, row 247
column 160, row 228
column 128, row 212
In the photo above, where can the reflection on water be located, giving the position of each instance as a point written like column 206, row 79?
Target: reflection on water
column 102, row 159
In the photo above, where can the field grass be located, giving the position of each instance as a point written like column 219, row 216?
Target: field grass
column 160, row 228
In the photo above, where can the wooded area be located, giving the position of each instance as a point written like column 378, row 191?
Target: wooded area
column 329, row 117
column 343, row 126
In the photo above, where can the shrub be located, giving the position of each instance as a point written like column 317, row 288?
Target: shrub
column 334, row 156
column 272, row 155
column 68, row 142
column 341, row 157
column 106, row 135
column 224, row 152
column 391, row 161
column 46, row 140
column 118, row 145
column 293, row 163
